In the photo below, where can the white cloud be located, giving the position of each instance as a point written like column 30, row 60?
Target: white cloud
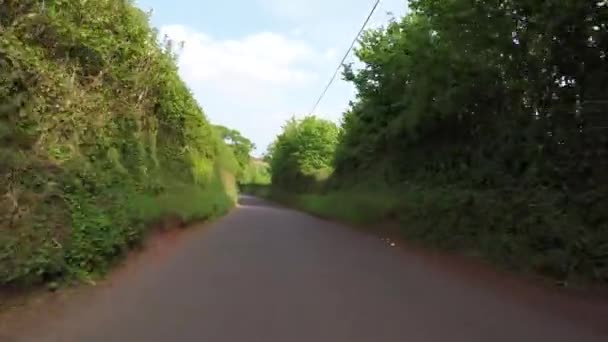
column 331, row 53
column 252, row 83
column 256, row 59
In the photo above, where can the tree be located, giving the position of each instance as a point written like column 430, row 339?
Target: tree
column 303, row 151
column 240, row 146
column 499, row 97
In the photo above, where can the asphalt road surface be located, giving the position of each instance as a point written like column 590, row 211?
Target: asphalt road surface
column 269, row 274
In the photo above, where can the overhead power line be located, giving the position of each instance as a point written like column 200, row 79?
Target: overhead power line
column 352, row 45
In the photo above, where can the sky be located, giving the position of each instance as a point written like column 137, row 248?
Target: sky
column 253, row 64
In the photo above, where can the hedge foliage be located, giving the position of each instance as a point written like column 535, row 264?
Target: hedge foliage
column 99, row 138
column 487, row 122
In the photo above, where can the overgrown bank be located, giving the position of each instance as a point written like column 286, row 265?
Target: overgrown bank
column 461, row 220
column 479, row 126
column 99, row 138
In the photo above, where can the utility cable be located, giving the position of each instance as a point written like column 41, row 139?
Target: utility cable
column 352, row 45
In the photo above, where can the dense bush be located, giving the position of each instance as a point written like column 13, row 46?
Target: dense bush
column 488, row 121
column 256, row 172
column 248, row 170
column 99, row 137
column 241, row 148
column 303, row 152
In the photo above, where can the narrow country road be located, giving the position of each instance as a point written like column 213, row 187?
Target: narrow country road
column 269, row 274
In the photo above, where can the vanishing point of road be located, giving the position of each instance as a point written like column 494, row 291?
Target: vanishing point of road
column 269, row 274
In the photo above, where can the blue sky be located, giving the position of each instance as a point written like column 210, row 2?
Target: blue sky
column 252, row 64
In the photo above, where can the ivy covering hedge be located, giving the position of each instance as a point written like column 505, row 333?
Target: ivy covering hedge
column 99, row 137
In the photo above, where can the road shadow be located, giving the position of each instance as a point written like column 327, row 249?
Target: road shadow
column 256, row 202
column 252, row 201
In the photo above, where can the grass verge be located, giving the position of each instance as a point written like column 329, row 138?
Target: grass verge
column 524, row 234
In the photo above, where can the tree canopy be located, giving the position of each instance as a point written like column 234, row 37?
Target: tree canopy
column 241, row 146
column 489, row 92
column 304, row 150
